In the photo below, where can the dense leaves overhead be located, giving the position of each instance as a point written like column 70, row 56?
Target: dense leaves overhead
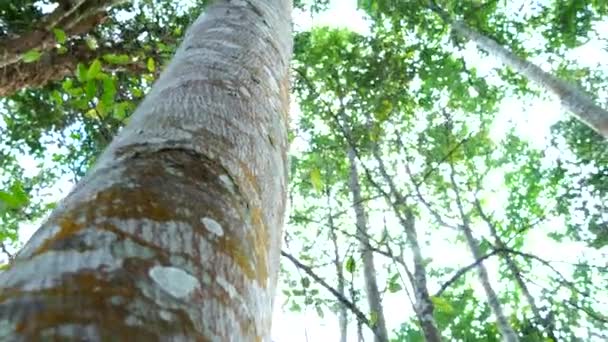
column 438, row 129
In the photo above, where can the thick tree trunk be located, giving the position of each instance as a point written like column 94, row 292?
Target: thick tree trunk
column 580, row 104
column 367, row 255
column 175, row 233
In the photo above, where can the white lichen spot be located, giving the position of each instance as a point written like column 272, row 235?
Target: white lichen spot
column 133, row 321
column 206, row 279
column 117, row 300
column 225, row 179
column 166, row 315
column 212, row 226
column 174, row 281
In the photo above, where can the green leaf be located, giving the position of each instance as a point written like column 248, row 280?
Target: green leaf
column 92, row 114
column 320, row 311
column 56, row 96
column 116, row 59
column 91, row 43
column 315, row 179
column 60, row 36
column 350, row 264
column 90, row 89
column 120, row 110
column 81, row 72
column 94, row 69
column 31, row 56
column 393, row 284
column 109, row 91
column 305, row 282
column 442, row 305
column 151, row 66
column 373, row 317
column 15, row 197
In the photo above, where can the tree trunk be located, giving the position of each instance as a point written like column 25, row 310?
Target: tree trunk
column 342, row 311
column 516, row 272
column 367, row 255
column 580, row 104
column 507, row 332
column 175, row 233
column 424, row 305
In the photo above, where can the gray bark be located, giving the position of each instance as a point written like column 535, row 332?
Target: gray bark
column 367, row 255
column 175, row 233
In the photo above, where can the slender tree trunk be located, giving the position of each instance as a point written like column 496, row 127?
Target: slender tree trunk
column 367, row 255
column 507, row 332
column 424, row 305
column 342, row 311
column 175, row 233
column 580, row 104
column 516, row 272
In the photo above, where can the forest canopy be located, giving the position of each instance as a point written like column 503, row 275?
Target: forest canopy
column 448, row 160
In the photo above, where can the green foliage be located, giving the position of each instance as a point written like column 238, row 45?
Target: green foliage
column 60, row 35
column 31, row 56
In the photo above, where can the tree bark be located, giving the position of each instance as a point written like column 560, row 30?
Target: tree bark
column 580, row 104
column 367, row 255
column 175, row 233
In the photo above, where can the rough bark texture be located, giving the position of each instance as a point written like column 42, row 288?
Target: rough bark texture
column 367, row 255
column 580, row 104
column 175, row 233
column 424, row 305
